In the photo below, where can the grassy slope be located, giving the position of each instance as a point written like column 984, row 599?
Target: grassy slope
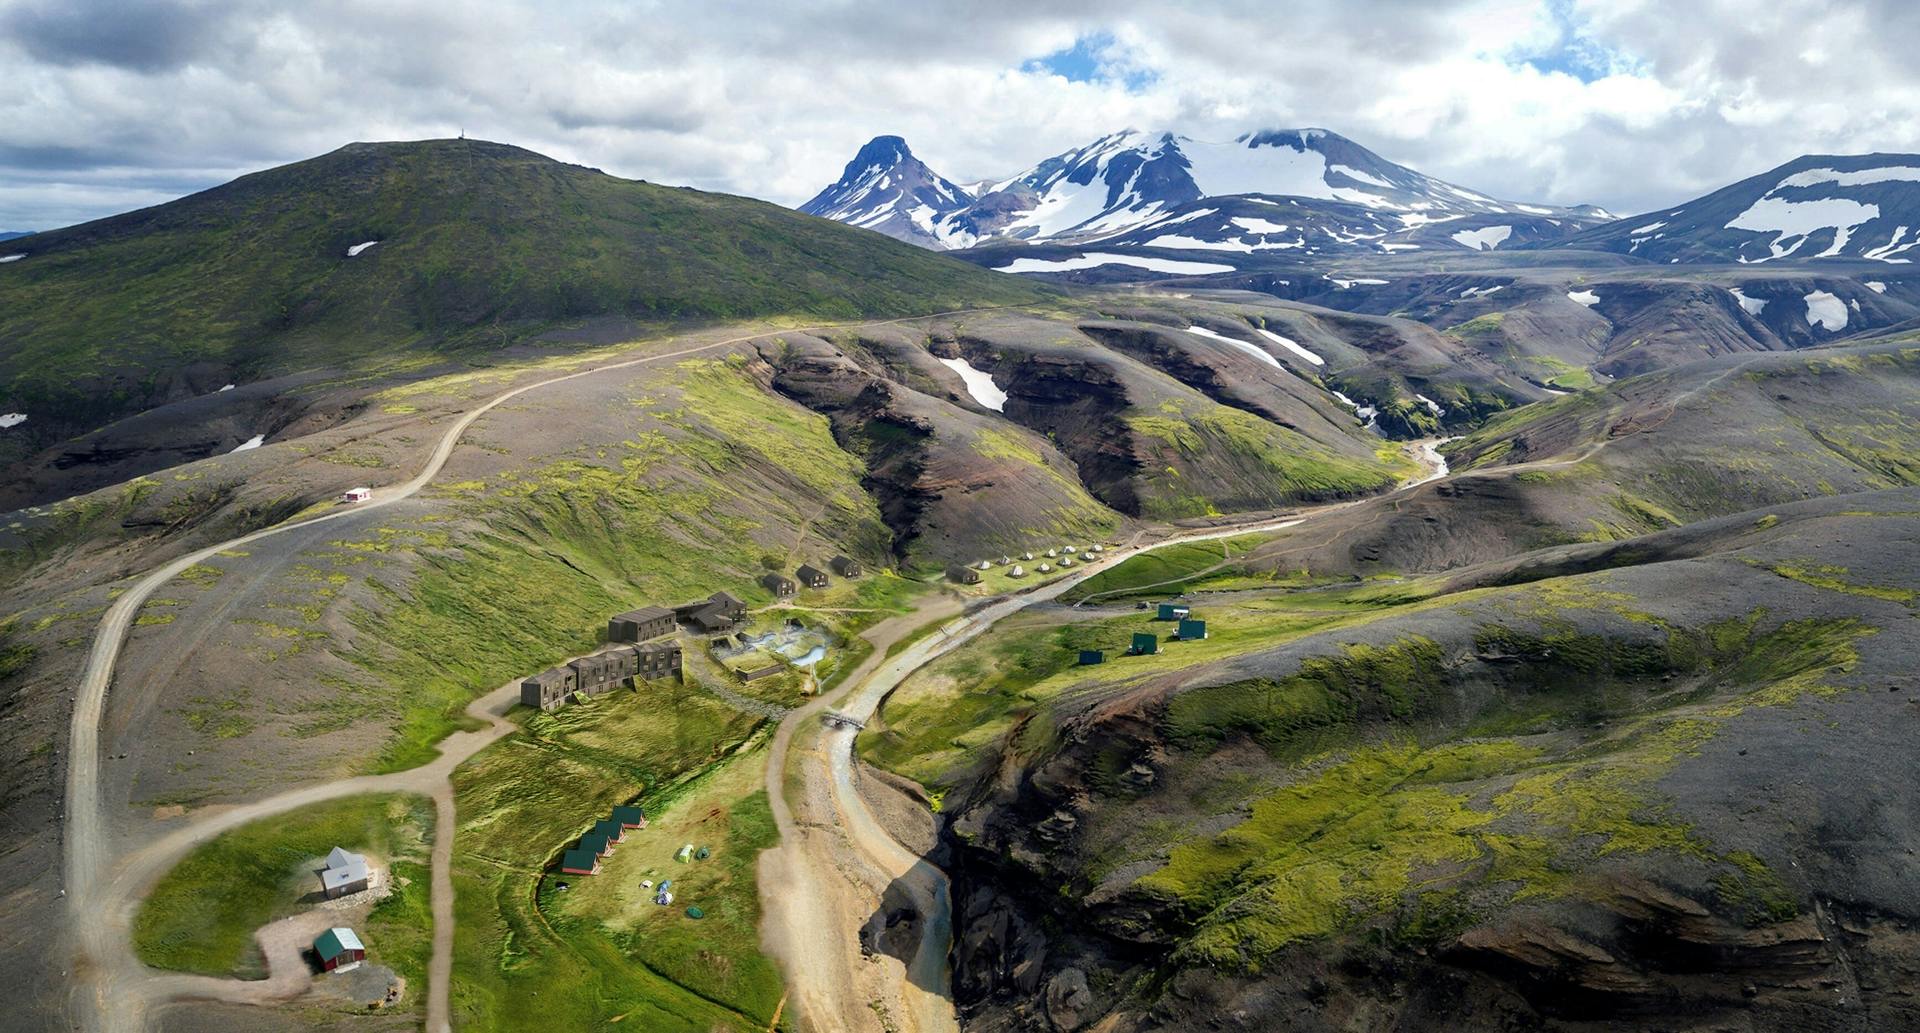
column 481, row 244
column 714, row 475
column 1379, row 802
column 527, row 954
column 1201, row 452
column 202, row 916
column 1765, row 429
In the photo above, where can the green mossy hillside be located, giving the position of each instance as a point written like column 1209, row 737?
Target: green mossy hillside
column 480, row 244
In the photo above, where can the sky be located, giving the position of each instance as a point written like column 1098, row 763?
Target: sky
column 1630, row 104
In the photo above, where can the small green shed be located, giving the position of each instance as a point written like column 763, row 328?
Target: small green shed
column 1092, row 656
column 1172, row 612
column 1192, row 629
column 631, row 817
column 1145, row 643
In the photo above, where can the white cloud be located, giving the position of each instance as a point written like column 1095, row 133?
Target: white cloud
column 1628, row 103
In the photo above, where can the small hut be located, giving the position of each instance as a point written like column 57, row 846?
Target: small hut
column 963, row 575
column 845, row 566
column 1172, row 612
column 1191, row 630
column 1145, row 643
column 631, row 817
column 1089, row 657
column 339, row 949
column 780, row 585
column 812, row 576
column 345, row 872
column 580, row 862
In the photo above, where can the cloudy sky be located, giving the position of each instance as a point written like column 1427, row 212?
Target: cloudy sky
column 1632, row 104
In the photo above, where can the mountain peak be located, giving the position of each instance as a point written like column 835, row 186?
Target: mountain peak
column 882, row 150
column 886, row 188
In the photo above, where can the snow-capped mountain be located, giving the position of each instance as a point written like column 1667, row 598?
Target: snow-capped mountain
column 886, row 188
column 1859, row 206
column 1306, row 191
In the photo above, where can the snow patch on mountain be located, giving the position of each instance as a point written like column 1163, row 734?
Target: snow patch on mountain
column 1261, row 226
column 979, row 384
column 354, row 251
column 1860, row 177
column 1587, row 298
column 11, row 420
column 1484, row 239
column 251, row 443
column 1753, row 306
column 1174, row 240
column 1825, row 310
column 1876, row 286
column 1290, row 344
column 1092, row 259
column 1237, row 344
column 12, row 258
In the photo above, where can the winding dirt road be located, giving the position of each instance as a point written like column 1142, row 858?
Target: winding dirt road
column 112, row 990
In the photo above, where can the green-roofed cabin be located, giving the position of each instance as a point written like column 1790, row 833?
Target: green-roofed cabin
column 1145, row 643
column 1092, row 656
column 580, row 862
column 338, row 947
column 610, row 828
column 1191, row 630
column 597, row 843
column 1172, row 612
column 631, row 817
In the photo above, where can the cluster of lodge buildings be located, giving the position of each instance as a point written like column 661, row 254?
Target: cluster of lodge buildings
column 1061, row 556
column 599, row 841
column 1187, row 628
column 808, row 576
column 634, row 654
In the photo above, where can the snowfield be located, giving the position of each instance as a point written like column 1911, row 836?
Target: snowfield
column 1587, row 298
column 1796, row 220
column 13, row 258
column 1754, row 306
column 1261, row 226
column 1092, row 259
column 1484, row 239
column 979, row 384
column 354, row 251
column 1825, row 310
column 1876, row 286
column 1862, row 177
column 1291, row 345
column 12, row 419
column 1241, row 345
column 1174, row 240
column 251, row 443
